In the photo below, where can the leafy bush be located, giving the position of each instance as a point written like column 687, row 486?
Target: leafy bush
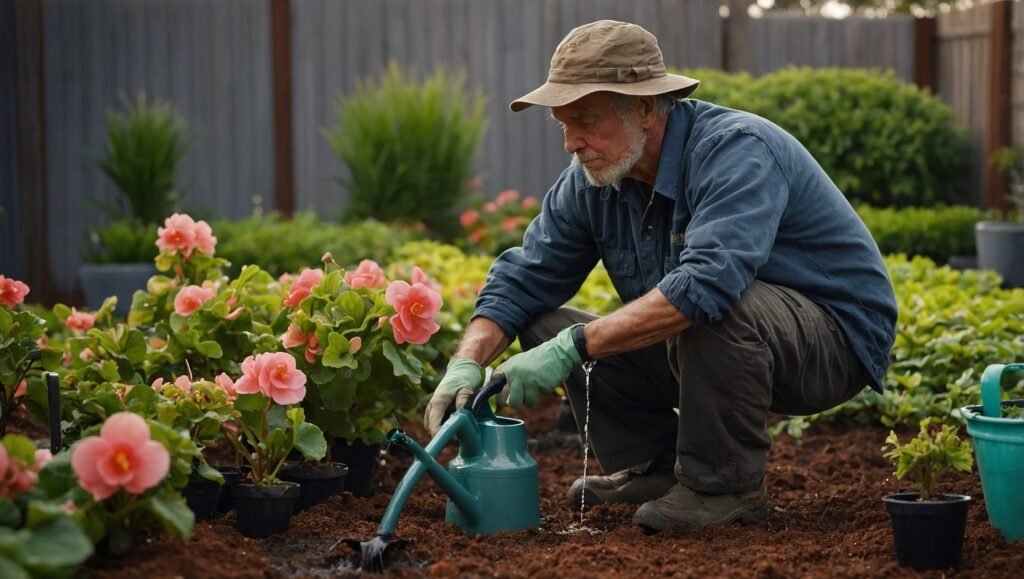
column 280, row 245
column 122, row 241
column 408, row 147
column 936, row 233
column 951, row 326
column 882, row 141
column 145, row 144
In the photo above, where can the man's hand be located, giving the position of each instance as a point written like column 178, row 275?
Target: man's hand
column 462, row 377
column 539, row 370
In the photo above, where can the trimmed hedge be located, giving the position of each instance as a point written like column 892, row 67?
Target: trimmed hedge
column 883, row 141
column 934, row 232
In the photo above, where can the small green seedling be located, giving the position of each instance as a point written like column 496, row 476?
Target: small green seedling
column 934, row 451
column 1013, row 411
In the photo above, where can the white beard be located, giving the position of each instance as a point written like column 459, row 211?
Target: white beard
column 615, row 173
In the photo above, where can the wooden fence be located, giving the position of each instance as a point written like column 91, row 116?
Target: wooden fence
column 258, row 82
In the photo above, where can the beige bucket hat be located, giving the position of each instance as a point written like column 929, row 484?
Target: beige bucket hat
column 606, row 56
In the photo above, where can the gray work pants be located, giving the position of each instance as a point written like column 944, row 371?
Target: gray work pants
column 774, row 351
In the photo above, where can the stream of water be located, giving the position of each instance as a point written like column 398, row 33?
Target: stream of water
column 581, row 527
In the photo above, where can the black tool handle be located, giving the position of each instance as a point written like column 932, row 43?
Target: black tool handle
column 490, row 389
column 53, row 406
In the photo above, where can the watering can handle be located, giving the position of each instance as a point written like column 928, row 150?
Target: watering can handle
column 490, row 389
column 991, row 404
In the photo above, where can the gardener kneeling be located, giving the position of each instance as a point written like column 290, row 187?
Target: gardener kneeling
column 751, row 286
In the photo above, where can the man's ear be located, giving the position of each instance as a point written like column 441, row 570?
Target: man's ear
column 647, row 109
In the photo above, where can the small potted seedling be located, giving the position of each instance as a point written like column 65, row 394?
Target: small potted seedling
column 928, row 527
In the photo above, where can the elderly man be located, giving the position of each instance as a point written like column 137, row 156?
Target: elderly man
column 750, row 286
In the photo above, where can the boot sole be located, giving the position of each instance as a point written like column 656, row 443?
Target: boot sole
column 743, row 516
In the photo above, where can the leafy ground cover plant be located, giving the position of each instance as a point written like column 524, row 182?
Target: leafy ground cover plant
column 408, row 147
column 951, row 326
column 933, row 232
column 925, row 458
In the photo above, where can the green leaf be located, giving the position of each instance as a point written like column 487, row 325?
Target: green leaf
column 56, row 545
column 251, row 402
column 336, row 354
column 11, row 570
column 209, row 473
column 210, row 349
column 10, row 516
column 175, row 516
column 57, row 477
column 404, row 364
column 20, row 447
column 309, row 440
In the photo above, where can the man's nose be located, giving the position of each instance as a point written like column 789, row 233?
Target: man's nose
column 573, row 142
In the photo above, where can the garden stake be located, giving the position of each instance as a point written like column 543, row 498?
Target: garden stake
column 491, row 485
column 53, row 404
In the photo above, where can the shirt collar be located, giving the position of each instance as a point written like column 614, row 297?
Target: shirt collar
column 666, row 182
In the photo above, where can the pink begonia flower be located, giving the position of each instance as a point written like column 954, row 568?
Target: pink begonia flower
column 80, row 320
column 43, row 342
column 68, row 507
column 416, row 306
column 12, row 291
column 326, row 257
column 205, row 241
column 123, row 390
column 313, row 348
column 191, row 298
column 294, row 337
column 43, row 457
column 510, row 224
column 368, row 274
column 302, row 287
column 235, row 313
column 232, row 301
column 86, row 354
column 274, row 375
column 5, row 462
column 469, row 217
column 476, row 236
column 22, row 389
column 122, row 456
column 355, row 344
column 490, row 207
column 157, row 384
column 419, row 276
column 530, row 202
column 177, row 234
column 227, row 384
column 507, row 196
column 184, row 383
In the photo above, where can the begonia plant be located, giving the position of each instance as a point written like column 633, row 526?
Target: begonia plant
column 495, row 226
column 270, row 424
column 361, row 339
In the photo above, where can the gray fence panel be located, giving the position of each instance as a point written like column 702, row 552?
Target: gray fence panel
column 780, row 40
column 210, row 58
column 503, row 47
column 10, row 207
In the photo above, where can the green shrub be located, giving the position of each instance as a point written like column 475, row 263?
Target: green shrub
column 936, row 233
column 145, row 144
column 408, row 147
column 122, row 241
column 280, row 245
column 881, row 140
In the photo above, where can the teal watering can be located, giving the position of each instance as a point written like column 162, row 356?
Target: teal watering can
column 999, row 451
column 491, row 485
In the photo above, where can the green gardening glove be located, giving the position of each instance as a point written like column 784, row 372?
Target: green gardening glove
column 539, row 370
column 460, row 380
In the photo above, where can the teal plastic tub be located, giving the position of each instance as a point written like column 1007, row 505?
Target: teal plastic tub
column 999, row 450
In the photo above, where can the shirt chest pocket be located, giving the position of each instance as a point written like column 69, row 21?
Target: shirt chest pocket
column 619, row 263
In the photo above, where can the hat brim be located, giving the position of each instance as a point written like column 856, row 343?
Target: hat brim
column 556, row 94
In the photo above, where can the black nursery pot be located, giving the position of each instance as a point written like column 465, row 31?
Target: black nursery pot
column 362, row 460
column 232, row 476
column 319, row 481
column 201, row 496
column 928, row 534
column 264, row 510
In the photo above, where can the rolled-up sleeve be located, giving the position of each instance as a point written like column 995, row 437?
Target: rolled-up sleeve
column 740, row 193
column 557, row 254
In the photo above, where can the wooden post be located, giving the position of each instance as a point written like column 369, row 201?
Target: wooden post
column 31, row 149
column 924, row 53
column 1000, row 74
column 281, row 51
column 735, row 47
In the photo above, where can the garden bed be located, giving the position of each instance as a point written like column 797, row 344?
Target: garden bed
column 827, row 520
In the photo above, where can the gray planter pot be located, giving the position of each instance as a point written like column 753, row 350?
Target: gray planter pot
column 1001, row 248
column 102, row 280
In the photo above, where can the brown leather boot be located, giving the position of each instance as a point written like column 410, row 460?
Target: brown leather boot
column 633, row 485
column 691, row 509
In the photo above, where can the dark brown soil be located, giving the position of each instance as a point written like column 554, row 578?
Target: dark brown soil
column 827, row 520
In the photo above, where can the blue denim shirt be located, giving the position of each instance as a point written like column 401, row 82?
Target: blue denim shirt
column 736, row 198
